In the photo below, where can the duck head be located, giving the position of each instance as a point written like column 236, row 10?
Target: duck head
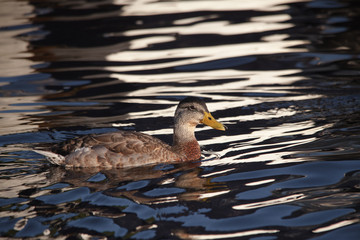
column 192, row 111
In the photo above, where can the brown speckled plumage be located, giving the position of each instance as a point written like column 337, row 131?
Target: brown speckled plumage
column 118, row 149
column 129, row 149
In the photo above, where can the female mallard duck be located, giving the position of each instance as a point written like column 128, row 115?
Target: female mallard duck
column 130, row 149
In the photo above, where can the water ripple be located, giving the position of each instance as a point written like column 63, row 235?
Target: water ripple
column 285, row 83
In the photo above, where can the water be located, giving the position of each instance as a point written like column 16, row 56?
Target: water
column 283, row 75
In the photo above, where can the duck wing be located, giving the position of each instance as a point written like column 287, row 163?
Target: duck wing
column 115, row 150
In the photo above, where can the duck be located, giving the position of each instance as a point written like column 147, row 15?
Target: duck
column 123, row 149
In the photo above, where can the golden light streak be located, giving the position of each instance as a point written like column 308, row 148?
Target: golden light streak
column 277, row 201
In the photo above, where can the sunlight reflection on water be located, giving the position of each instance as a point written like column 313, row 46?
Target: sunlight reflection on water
column 284, row 82
column 146, row 7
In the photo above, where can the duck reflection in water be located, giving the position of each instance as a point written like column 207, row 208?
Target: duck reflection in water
column 131, row 149
column 134, row 183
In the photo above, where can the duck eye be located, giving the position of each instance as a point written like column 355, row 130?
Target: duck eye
column 191, row 108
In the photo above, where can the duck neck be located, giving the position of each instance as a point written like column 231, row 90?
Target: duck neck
column 185, row 143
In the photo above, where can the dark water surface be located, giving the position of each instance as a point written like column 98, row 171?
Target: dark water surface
column 283, row 75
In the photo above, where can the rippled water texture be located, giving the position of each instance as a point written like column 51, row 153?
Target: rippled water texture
column 283, row 75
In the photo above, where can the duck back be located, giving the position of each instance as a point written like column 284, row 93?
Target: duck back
column 115, row 150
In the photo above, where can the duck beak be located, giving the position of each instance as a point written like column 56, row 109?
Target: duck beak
column 210, row 121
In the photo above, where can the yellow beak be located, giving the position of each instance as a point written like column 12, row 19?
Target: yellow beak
column 210, row 121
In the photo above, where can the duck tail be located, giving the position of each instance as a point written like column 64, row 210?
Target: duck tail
column 53, row 158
